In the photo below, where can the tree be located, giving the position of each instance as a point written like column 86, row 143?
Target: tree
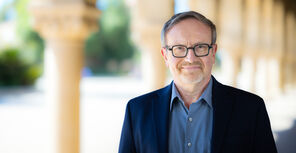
column 21, row 64
column 111, row 46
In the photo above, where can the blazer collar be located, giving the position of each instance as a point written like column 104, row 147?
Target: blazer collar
column 223, row 103
column 161, row 117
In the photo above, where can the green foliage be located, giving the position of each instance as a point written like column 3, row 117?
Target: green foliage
column 14, row 69
column 22, row 64
column 109, row 48
column 31, row 42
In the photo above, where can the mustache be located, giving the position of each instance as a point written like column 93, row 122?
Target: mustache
column 195, row 63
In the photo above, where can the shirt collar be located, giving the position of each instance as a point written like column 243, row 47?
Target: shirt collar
column 206, row 95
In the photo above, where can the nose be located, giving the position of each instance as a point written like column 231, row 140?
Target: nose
column 190, row 55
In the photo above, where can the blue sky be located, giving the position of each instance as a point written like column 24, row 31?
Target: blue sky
column 2, row 2
column 11, row 13
column 181, row 6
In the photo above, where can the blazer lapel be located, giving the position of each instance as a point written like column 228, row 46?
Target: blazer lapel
column 161, row 117
column 223, row 103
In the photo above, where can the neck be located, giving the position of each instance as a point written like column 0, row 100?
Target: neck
column 191, row 92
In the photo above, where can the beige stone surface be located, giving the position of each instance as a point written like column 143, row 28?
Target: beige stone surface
column 146, row 28
column 64, row 25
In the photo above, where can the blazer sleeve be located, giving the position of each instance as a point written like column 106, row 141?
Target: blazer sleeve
column 126, row 144
column 264, row 141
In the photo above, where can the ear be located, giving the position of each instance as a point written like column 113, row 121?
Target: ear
column 214, row 49
column 164, row 55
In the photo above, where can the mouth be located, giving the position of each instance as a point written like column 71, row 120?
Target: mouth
column 191, row 67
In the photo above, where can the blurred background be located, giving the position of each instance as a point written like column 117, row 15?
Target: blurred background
column 68, row 67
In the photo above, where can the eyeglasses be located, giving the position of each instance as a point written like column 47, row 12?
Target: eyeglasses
column 180, row 51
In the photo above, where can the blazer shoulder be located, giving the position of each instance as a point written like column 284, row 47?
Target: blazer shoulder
column 149, row 97
column 240, row 95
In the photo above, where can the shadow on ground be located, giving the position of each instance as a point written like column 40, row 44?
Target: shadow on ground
column 286, row 141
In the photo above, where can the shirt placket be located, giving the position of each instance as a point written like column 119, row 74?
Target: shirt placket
column 188, row 136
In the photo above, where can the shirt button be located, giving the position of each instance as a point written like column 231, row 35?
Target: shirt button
column 190, row 119
column 188, row 144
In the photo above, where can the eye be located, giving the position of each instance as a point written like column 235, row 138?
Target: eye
column 202, row 46
column 180, row 48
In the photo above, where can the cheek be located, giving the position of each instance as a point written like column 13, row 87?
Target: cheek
column 177, row 63
column 174, row 63
column 209, row 63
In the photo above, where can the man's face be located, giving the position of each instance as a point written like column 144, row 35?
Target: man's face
column 189, row 69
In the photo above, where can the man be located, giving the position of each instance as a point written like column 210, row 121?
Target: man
column 195, row 113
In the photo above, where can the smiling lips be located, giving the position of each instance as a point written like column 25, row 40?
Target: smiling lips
column 191, row 67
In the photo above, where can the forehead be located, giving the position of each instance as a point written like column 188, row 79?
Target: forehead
column 189, row 30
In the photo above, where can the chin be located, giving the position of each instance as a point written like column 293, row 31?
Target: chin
column 192, row 80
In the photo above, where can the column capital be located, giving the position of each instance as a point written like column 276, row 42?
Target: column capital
column 147, row 24
column 64, row 20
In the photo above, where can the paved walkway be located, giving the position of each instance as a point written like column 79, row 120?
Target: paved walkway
column 25, row 128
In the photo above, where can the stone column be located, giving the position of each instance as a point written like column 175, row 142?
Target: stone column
column 64, row 25
column 230, row 38
column 276, row 61
column 294, row 53
column 266, row 48
column 251, row 45
column 289, row 48
column 148, row 18
column 209, row 8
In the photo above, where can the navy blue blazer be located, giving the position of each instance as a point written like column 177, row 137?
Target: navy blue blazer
column 240, row 122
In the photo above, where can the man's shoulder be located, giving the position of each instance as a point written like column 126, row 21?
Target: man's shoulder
column 150, row 96
column 242, row 93
column 242, row 96
column 144, row 97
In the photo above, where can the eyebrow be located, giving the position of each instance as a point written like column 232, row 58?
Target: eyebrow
column 199, row 43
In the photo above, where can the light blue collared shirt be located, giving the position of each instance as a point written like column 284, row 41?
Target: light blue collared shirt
column 191, row 129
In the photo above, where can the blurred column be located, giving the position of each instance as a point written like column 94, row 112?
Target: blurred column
column 207, row 8
column 251, row 45
column 230, row 38
column 64, row 25
column 289, row 47
column 276, row 61
column 148, row 17
column 266, row 48
column 294, row 53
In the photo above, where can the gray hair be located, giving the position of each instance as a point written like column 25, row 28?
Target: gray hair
column 185, row 15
